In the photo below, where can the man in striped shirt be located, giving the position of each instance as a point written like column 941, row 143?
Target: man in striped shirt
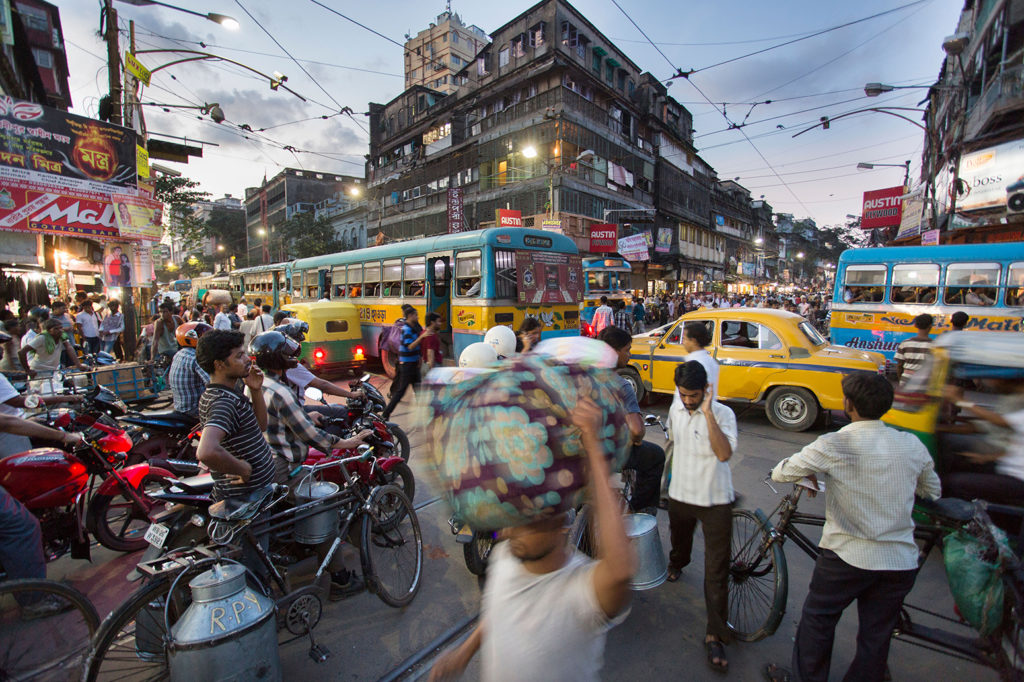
column 408, row 359
column 232, row 443
column 912, row 352
column 623, row 318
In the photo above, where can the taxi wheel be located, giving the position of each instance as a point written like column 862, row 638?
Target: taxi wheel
column 792, row 409
column 633, row 378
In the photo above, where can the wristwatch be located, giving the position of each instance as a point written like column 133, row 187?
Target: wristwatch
column 964, row 404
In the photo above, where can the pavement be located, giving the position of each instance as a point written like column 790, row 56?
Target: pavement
column 661, row 639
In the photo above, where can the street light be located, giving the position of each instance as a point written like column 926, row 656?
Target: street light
column 261, row 232
column 530, row 152
column 220, row 247
column 863, row 165
column 212, row 110
column 224, row 20
column 354, row 191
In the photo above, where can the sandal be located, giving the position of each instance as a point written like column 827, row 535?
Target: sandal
column 774, row 673
column 714, row 649
column 673, row 574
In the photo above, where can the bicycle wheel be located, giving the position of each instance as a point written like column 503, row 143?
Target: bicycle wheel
column 391, row 547
column 758, row 579
column 581, row 532
column 129, row 643
column 45, row 630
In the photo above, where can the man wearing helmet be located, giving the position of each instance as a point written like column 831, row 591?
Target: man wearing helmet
column 301, row 378
column 186, row 378
column 290, row 430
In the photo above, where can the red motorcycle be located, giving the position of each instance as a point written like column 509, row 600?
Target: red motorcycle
column 381, row 470
column 61, row 489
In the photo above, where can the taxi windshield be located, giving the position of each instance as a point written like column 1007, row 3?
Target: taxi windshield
column 812, row 334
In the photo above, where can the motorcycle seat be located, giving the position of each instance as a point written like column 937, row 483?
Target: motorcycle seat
column 243, row 507
column 195, row 485
column 947, row 507
column 167, row 419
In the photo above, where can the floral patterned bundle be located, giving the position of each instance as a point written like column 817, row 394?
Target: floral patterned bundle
column 503, row 444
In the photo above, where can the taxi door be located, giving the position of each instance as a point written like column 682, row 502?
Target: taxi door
column 670, row 353
column 747, row 353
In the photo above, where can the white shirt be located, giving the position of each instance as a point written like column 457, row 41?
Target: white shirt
column 698, row 477
column 27, row 338
column 222, row 321
column 243, row 310
column 264, row 323
column 871, row 474
column 299, row 377
column 1012, row 463
column 6, row 393
column 603, row 317
column 710, row 366
column 541, row 626
column 88, row 323
column 954, row 341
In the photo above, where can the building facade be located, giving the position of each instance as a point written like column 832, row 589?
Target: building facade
column 437, row 53
column 33, row 63
column 347, row 215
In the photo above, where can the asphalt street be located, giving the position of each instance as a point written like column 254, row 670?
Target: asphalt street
column 661, row 639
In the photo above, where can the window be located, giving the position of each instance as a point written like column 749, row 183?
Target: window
column 338, row 289
column 371, row 277
column 812, row 334
column 972, row 283
column 519, row 45
column 1015, row 286
column 336, row 326
column 444, row 38
column 502, row 173
column 632, row 88
column 34, row 18
column 622, row 79
column 596, row 63
column 676, row 337
column 915, row 283
column 506, row 280
column 415, row 276
column 467, row 274
column 609, row 72
column 456, row 61
column 749, row 335
column 483, row 64
column 581, row 46
column 569, row 35
column 503, row 57
column 44, row 60
column 537, row 35
column 864, row 284
column 355, row 280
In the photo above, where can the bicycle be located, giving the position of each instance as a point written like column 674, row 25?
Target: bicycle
column 132, row 640
column 45, row 646
column 759, row 579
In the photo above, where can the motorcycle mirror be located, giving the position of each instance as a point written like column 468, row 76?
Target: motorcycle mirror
column 314, row 394
column 650, row 420
column 365, row 378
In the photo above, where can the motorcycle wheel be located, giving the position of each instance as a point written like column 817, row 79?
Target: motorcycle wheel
column 477, row 551
column 401, row 477
column 401, row 441
column 118, row 522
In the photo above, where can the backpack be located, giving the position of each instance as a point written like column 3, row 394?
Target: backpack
column 391, row 338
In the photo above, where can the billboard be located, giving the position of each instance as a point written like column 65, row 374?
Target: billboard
column 455, row 208
column 138, row 217
column 991, row 176
column 634, row 247
column 545, row 277
column 504, row 217
column 604, row 237
column 664, row 244
column 882, row 208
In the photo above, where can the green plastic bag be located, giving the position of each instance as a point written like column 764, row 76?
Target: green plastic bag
column 974, row 575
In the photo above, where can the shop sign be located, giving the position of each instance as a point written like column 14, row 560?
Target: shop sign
column 551, row 225
column 455, row 210
column 504, row 217
column 912, row 216
column 603, row 237
column 634, row 248
column 138, row 217
column 142, row 161
column 882, row 208
column 930, row 238
column 133, row 66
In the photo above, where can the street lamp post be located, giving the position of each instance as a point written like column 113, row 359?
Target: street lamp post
column 863, row 165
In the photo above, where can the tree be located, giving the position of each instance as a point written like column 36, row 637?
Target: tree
column 227, row 228
column 304, row 236
column 180, row 194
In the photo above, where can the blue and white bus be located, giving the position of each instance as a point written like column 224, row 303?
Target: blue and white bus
column 605, row 277
column 879, row 292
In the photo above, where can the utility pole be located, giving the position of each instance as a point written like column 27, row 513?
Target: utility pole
column 113, row 60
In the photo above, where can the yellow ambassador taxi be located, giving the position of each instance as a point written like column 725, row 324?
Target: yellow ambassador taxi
column 763, row 354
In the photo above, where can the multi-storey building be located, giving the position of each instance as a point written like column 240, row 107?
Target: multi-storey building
column 973, row 120
column 347, row 215
column 33, row 64
column 437, row 53
column 289, row 192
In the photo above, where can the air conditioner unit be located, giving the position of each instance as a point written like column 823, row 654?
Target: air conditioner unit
column 1015, row 197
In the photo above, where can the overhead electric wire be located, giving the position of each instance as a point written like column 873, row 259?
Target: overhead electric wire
column 881, row 159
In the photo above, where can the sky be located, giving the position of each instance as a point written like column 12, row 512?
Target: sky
column 335, row 63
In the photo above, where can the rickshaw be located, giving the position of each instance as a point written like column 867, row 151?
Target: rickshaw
column 919, row 404
column 334, row 341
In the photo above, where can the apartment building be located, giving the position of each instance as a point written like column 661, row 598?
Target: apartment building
column 437, row 53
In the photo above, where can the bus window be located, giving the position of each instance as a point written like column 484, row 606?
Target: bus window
column 864, row 284
column 971, row 283
column 392, row 278
column 506, row 280
column 371, row 278
column 624, row 283
column 312, row 285
column 1015, row 286
column 599, row 281
column 338, row 289
column 415, row 276
column 467, row 274
column 355, row 280
column 917, row 283
column 441, row 277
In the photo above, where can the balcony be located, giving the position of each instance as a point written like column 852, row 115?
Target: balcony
column 1004, row 95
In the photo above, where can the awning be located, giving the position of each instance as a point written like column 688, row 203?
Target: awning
column 612, row 62
column 599, row 51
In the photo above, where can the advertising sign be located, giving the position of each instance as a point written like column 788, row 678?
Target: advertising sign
column 664, row 244
column 455, row 208
column 142, row 161
column 634, row 247
column 913, row 215
column 117, row 265
column 545, row 277
column 52, row 209
column 552, row 225
column 603, row 237
column 882, row 208
column 133, row 66
column 504, row 217
column 138, row 217
column 930, row 238
column 992, row 177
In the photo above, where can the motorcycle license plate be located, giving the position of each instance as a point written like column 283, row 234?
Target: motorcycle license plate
column 156, row 534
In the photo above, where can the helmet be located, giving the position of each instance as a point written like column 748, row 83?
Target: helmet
column 503, row 339
column 478, row 355
column 275, row 351
column 292, row 328
column 188, row 334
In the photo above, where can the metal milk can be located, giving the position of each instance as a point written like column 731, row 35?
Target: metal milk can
column 229, row 632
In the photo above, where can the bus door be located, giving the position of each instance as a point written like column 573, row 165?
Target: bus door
column 439, row 293
column 323, row 280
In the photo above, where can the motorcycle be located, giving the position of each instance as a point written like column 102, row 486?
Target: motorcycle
column 366, row 411
column 376, row 471
column 164, row 435
column 87, row 491
column 476, row 545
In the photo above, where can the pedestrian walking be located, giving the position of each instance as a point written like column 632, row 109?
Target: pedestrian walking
column 911, row 353
column 408, row 359
column 603, row 316
column 88, row 326
column 639, row 313
column 622, row 318
column 111, row 327
column 704, row 435
column 871, row 473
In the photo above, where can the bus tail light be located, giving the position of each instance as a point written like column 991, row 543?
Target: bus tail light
column 319, row 355
column 358, row 353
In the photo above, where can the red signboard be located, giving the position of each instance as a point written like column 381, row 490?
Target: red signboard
column 455, row 207
column 604, row 238
column 546, row 277
column 504, row 217
column 882, row 208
